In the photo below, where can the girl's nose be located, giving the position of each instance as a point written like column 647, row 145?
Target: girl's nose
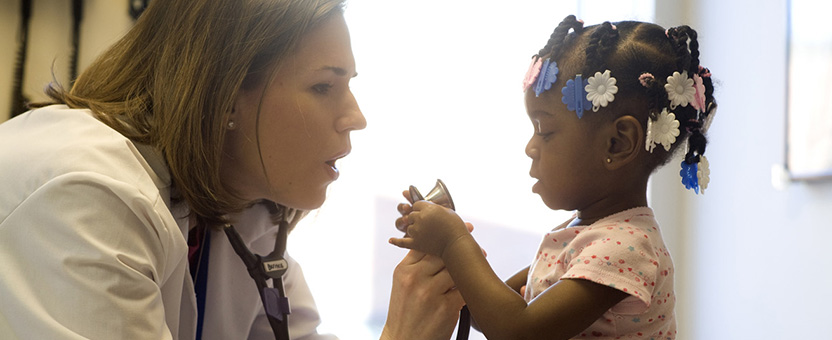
column 531, row 150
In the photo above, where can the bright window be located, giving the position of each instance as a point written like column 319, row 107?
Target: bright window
column 440, row 85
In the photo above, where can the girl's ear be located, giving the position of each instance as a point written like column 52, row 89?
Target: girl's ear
column 624, row 143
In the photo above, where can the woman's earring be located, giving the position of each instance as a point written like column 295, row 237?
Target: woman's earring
column 231, row 125
column 609, row 160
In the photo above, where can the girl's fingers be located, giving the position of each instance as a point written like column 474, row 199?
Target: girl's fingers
column 404, row 208
column 401, row 224
column 402, row 242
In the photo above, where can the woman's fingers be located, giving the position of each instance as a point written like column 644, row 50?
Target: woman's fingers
column 412, row 257
column 406, row 194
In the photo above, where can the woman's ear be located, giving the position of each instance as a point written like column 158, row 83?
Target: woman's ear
column 624, row 143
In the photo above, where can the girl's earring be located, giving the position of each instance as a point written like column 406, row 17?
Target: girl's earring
column 609, row 160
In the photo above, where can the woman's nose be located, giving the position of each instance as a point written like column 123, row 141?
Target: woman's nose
column 352, row 119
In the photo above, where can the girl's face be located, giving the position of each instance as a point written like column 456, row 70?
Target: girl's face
column 566, row 153
column 306, row 115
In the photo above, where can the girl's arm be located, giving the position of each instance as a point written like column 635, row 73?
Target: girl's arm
column 518, row 280
column 562, row 311
column 515, row 282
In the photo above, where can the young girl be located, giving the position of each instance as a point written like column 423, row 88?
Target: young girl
column 609, row 105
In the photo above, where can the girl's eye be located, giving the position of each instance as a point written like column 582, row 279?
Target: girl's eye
column 322, row 88
column 538, row 131
column 545, row 135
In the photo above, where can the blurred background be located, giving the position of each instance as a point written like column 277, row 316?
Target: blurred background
column 439, row 83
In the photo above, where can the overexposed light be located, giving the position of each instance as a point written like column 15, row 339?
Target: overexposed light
column 440, row 85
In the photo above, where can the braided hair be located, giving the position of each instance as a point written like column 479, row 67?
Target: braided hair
column 553, row 45
column 641, row 56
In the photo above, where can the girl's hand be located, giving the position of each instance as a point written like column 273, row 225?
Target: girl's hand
column 404, row 209
column 429, row 228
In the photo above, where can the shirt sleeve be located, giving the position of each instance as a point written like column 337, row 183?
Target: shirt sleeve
column 619, row 256
column 84, row 256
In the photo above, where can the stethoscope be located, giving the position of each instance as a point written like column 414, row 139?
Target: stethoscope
column 274, row 265
column 263, row 268
column 440, row 195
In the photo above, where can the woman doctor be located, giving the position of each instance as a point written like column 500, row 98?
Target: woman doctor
column 208, row 114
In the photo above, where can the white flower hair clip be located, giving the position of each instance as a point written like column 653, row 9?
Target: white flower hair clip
column 601, row 90
column 680, row 89
column 703, row 173
column 664, row 131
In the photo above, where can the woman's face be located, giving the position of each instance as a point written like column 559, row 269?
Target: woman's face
column 305, row 118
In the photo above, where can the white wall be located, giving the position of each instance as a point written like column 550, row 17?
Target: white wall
column 753, row 260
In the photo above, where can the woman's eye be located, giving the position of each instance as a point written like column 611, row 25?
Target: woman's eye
column 322, row 88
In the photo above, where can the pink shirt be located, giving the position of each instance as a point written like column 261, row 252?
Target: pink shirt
column 624, row 251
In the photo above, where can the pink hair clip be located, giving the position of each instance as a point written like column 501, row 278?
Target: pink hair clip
column 704, row 72
column 614, row 27
column 532, row 73
column 698, row 96
column 644, row 78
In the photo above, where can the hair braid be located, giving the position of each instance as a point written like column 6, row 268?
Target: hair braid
column 656, row 94
column 559, row 35
column 601, row 43
column 686, row 46
column 693, row 47
column 679, row 39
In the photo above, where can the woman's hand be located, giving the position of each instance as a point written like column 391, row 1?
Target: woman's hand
column 423, row 303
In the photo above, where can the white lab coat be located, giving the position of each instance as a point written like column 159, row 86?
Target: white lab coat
column 89, row 247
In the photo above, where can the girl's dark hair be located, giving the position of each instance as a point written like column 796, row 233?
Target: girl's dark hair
column 629, row 49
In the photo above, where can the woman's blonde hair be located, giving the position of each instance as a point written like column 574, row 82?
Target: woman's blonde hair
column 170, row 82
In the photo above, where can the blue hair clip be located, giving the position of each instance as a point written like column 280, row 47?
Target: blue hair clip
column 548, row 75
column 574, row 96
column 689, row 176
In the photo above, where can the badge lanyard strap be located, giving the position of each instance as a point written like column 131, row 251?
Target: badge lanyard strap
column 262, row 268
